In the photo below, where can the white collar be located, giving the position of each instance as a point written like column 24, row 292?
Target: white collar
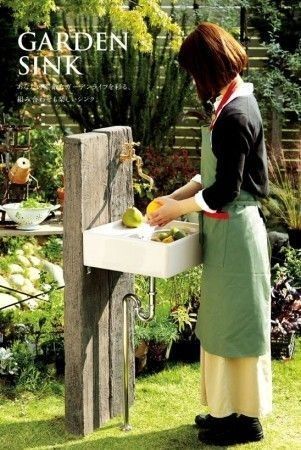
column 243, row 90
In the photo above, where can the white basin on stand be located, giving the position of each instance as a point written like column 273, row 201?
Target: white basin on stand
column 114, row 247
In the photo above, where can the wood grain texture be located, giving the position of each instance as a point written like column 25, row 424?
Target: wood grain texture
column 121, row 196
column 91, row 335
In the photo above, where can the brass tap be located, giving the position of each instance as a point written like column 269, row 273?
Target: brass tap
column 129, row 154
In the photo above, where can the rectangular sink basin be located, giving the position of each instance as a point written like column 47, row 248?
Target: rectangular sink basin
column 115, row 247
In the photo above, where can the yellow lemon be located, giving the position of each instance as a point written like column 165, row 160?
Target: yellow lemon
column 168, row 240
column 152, row 207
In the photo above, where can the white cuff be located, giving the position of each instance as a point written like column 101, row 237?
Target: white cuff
column 199, row 199
column 197, row 178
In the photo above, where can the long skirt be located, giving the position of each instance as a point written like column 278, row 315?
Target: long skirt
column 236, row 385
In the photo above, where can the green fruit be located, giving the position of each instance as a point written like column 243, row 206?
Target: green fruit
column 179, row 235
column 132, row 218
column 156, row 239
column 174, row 230
column 163, row 235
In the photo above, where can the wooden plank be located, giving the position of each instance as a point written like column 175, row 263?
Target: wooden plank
column 120, row 196
column 292, row 154
column 291, row 144
column 86, row 308
column 88, row 337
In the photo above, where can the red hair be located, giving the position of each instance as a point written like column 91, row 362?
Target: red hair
column 213, row 57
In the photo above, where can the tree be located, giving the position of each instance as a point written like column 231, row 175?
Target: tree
column 278, row 22
column 133, row 19
column 123, row 87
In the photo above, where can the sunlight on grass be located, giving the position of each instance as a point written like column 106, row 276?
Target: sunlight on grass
column 162, row 416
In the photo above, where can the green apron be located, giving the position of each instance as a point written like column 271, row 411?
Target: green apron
column 234, row 314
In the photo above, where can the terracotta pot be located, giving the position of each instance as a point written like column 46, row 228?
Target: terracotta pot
column 60, row 192
column 141, row 356
column 157, row 356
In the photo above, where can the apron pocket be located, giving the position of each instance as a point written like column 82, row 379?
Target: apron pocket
column 214, row 237
column 246, row 248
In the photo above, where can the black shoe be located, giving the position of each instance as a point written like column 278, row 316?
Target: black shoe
column 207, row 421
column 246, row 429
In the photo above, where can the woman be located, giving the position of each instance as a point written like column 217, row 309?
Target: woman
column 234, row 316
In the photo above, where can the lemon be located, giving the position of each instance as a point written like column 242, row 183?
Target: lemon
column 168, row 239
column 163, row 236
column 152, row 207
column 132, row 218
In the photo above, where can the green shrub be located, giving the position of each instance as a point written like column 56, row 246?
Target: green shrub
column 291, row 268
column 53, row 250
column 47, row 160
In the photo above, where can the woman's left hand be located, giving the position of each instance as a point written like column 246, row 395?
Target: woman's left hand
column 169, row 210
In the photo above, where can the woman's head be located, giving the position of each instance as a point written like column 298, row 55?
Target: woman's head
column 213, row 57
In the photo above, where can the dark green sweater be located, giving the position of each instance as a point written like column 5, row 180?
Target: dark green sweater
column 238, row 144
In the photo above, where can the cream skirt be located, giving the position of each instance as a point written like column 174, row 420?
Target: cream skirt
column 236, row 385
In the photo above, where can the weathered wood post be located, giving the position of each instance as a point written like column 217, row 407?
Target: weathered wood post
column 98, row 190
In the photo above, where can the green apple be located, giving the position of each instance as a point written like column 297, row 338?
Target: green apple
column 132, row 218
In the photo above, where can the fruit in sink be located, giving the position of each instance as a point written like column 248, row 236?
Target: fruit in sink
column 152, row 207
column 168, row 239
column 163, row 235
column 174, row 230
column 132, row 217
column 167, row 236
column 179, row 235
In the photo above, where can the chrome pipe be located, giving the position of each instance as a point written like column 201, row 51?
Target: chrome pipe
column 144, row 316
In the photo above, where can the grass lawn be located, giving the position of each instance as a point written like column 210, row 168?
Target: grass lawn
column 162, row 416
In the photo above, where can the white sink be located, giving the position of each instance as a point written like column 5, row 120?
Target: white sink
column 114, row 247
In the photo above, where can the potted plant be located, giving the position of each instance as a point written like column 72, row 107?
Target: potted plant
column 163, row 332
column 8, row 366
column 286, row 318
column 152, row 343
column 286, row 303
column 187, row 347
column 284, row 202
column 141, row 341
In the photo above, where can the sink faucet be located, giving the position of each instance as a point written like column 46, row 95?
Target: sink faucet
column 129, row 154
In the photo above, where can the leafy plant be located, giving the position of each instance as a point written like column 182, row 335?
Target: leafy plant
column 141, row 333
column 159, row 330
column 286, row 308
column 8, row 365
column 169, row 170
column 134, row 19
column 9, row 244
column 9, row 61
column 278, row 85
column 284, row 202
column 33, row 203
column 47, row 160
column 123, row 86
column 53, row 249
column 183, row 317
column 291, row 267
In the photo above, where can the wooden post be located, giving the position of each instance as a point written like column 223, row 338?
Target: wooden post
column 98, row 190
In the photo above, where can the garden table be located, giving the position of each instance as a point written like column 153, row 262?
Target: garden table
column 46, row 229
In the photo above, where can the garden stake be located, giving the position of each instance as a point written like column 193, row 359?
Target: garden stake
column 144, row 316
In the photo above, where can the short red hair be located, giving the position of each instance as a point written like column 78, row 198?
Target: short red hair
column 213, row 57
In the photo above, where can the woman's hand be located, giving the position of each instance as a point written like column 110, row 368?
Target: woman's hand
column 169, row 210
